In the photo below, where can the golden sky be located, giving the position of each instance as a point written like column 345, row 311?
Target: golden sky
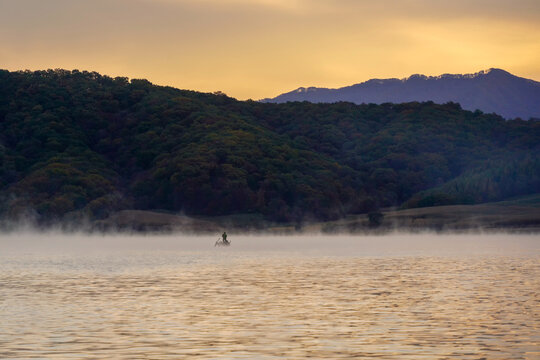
column 261, row 48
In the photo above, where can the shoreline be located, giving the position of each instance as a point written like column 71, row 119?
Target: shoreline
column 508, row 216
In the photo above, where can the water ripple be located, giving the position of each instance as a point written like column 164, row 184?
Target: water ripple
column 267, row 308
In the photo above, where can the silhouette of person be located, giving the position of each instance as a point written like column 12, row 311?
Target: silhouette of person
column 224, row 237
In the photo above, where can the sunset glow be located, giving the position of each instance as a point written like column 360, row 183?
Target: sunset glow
column 260, row 48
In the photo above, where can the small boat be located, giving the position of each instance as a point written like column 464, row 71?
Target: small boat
column 222, row 242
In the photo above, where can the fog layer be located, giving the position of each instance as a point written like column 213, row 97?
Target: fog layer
column 395, row 244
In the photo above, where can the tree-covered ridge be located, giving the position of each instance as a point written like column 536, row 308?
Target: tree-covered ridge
column 78, row 144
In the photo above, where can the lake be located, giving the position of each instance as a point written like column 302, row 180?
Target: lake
column 398, row 296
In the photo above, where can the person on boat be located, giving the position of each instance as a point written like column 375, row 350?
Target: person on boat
column 224, row 237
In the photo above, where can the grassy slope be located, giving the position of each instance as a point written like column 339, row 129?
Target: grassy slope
column 521, row 213
column 516, row 213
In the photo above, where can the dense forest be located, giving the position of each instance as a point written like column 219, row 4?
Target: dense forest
column 76, row 144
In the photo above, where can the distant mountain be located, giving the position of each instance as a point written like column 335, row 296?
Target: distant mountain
column 491, row 91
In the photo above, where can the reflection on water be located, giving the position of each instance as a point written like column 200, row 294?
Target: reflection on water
column 233, row 304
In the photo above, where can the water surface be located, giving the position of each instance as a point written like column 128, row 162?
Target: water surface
column 328, row 297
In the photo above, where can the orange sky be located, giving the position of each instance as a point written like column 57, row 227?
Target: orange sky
column 261, row 48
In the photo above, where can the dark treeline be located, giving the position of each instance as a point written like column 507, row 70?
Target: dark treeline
column 78, row 144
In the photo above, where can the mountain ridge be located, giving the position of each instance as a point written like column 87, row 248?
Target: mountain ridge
column 492, row 91
column 79, row 145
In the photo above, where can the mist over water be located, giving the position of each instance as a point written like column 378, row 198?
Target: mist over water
column 394, row 244
column 397, row 296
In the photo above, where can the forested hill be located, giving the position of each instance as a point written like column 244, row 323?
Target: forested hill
column 77, row 144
